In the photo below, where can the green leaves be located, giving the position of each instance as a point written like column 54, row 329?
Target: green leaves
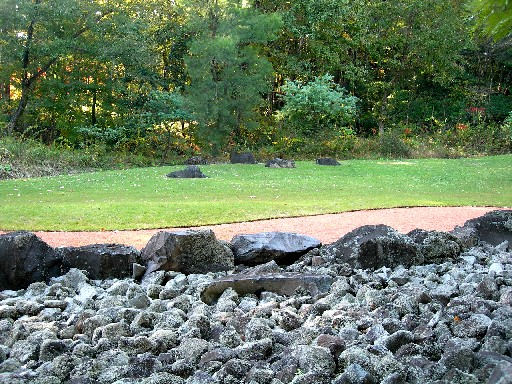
column 317, row 106
column 494, row 17
column 228, row 74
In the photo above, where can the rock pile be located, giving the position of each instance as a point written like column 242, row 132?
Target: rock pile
column 377, row 306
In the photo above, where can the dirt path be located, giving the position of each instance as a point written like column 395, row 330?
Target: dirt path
column 326, row 228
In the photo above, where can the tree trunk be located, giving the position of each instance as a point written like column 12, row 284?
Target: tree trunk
column 383, row 113
column 93, row 113
column 5, row 90
column 13, row 122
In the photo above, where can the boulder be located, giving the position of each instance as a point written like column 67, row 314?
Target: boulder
column 280, row 163
column 327, row 161
column 374, row 246
column 285, row 283
column 187, row 251
column 191, row 172
column 494, row 227
column 283, row 247
column 26, row 259
column 436, row 247
column 242, row 158
column 101, row 261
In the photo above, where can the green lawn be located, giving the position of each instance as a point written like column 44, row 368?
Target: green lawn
column 145, row 198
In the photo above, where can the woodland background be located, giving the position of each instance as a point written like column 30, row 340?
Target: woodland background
column 155, row 80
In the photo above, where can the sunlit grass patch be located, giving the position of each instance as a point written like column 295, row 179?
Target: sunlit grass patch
column 145, row 198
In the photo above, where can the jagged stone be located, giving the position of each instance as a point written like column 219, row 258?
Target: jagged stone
column 187, row 251
column 436, row 247
column 26, row 259
column 280, row 163
column 191, row 172
column 101, row 261
column 494, row 227
column 374, row 246
column 282, row 247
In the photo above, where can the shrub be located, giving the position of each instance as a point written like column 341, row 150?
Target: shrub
column 318, row 106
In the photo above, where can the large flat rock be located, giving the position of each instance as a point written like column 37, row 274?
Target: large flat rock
column 286, row 283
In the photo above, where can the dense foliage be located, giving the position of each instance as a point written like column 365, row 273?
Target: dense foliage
column 173, row 78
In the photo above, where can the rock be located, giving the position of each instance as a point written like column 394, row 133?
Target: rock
column 280, row 163
column 467, row 236
column 196, row 160
column 501, row 374
column 355, row 374
column 394, row 341
column 374, row 246
column 334, row 344
column 494, row 227
column 449, row 321
column 281, row 283
column 187, row 251
column 242, row 158
column 191, row 172
column 101, row 261
column 435, row 246
column 26, row 259
column 327, row 161
column 282, row 247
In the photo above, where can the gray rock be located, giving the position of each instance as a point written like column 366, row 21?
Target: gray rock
column 282, row 247
column 467, row 236
column 280, row 163
column 281, row 283
column 242, row 158
column 191, row 172
column 187, row 251
column 355, row 374
column 448, row 322
column 501, row 374
column 327, row 161
column 494, row 227
column 316, row 359
column 394, row 341
column 25, row 259
column 254, row 350
column 475, row 326
column 374, row 246
column 435, row 246
column 101, row 261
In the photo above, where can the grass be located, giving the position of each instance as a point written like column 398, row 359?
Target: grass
column 145, row 198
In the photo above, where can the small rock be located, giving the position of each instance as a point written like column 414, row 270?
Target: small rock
column 280, row 163
column 242, row 158
column 191, row 172
column 327, row 161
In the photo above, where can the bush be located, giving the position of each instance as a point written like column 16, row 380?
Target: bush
column 318, row 106
column 393, row 145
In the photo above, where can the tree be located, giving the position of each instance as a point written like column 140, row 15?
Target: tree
column 229, row 77
column 406, row 44
column 80, row 46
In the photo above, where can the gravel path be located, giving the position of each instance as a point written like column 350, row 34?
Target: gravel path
column 326, row 228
